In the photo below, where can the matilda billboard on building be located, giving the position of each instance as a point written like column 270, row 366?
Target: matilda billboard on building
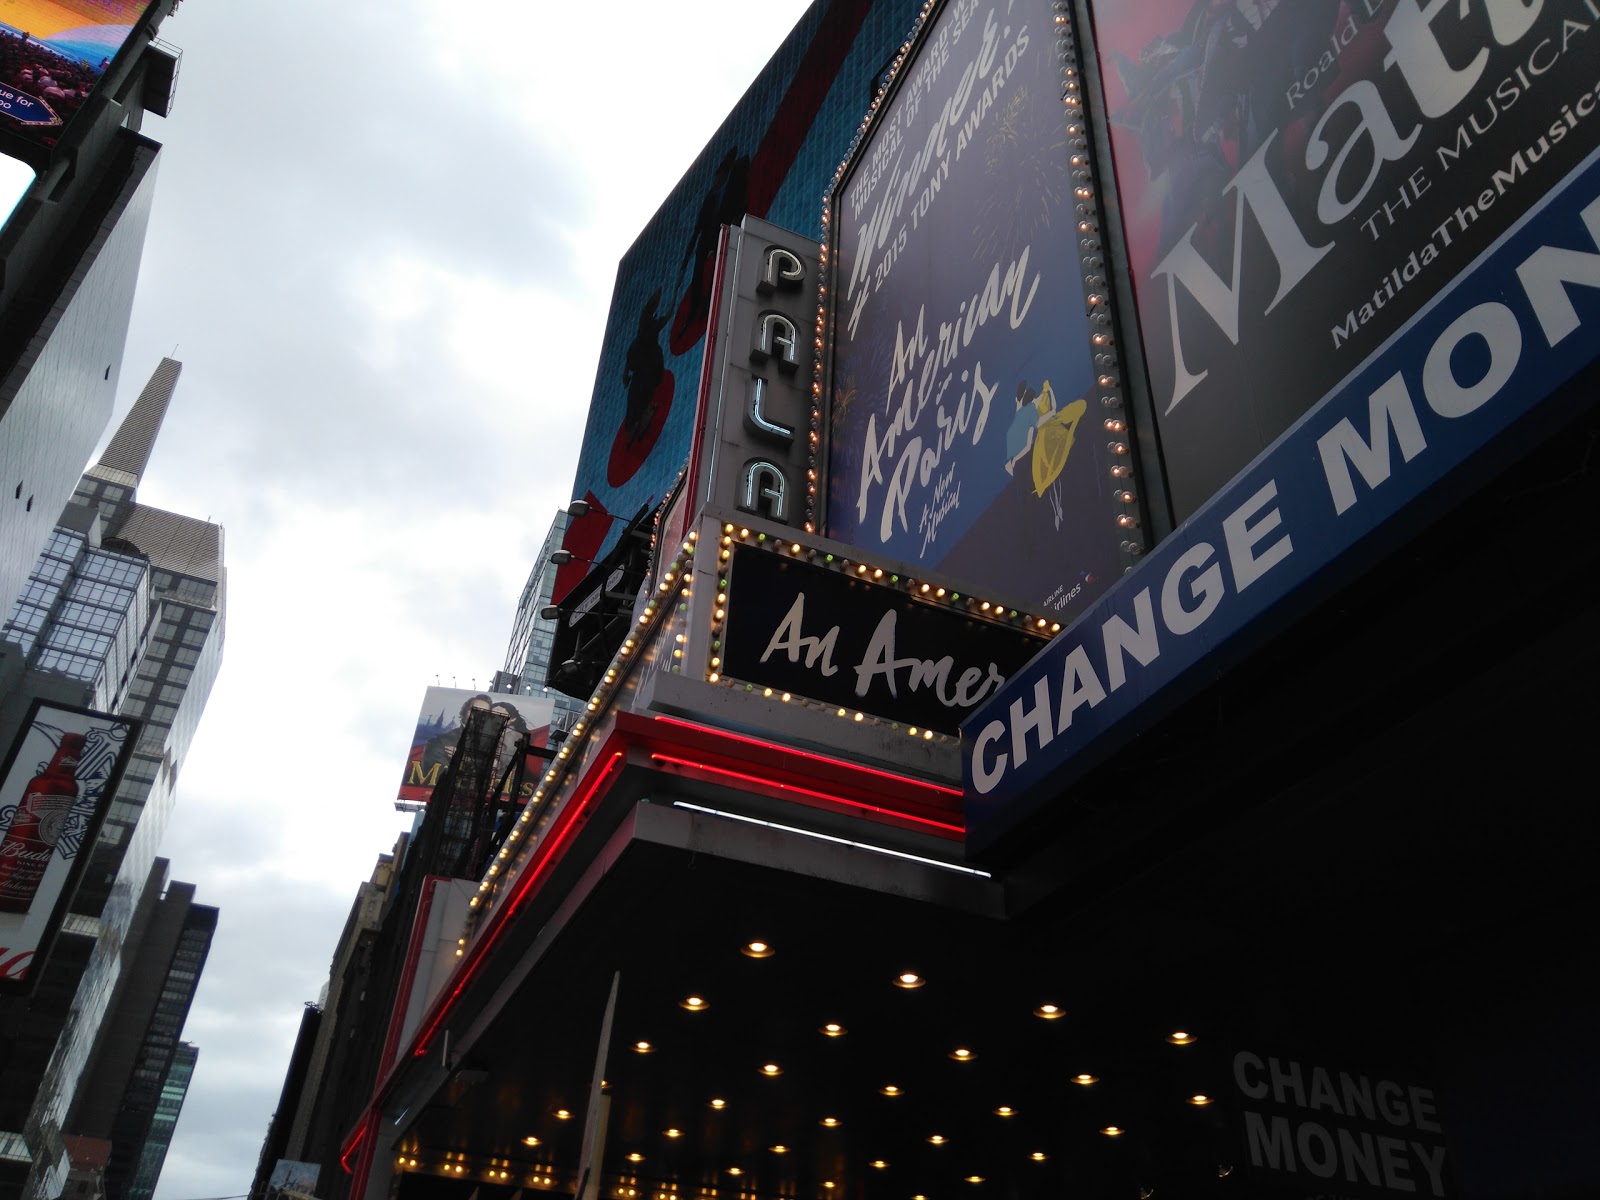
column 52, row 53
column 57, row 782
column 975, row 425
column 1298, row 179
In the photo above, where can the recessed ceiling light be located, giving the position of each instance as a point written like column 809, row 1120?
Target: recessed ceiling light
column 1049, row 1012
column 756, row 949
column 563, row 1114
column 530, row 1141
column 830, row 1122
column 1199, row 1099
column 827, row 1183
column 735, row 1171
column 1005, row 1110
column 771, row 1070
column 643, row 1047
column 635, row 1157
column 974, row 1178
column 833, row 1029
column 1085, row 1080
column 878, row 1163
column 1113, row 1131
column 961, row 1054
column 1181, row 1037
column 694, row 1003
column 719, row 1103
column 890, row 1089
column 1038, row 1156
column 780, row 1149
column 938, row 1139
column 909, row 980
column 673, row 1133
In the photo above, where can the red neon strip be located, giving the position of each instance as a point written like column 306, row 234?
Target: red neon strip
column 766, row 781
column 408, row 975
column 480, row 952
column 774, row 746
column 355, row 1140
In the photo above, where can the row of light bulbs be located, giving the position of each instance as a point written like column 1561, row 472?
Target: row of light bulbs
column 674, row 578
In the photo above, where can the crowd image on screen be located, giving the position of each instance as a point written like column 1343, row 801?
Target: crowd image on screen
column 60, row 82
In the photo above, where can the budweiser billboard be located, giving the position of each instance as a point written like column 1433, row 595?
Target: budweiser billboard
column 56, row 785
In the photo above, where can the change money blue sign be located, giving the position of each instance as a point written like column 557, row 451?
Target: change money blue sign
column 970, row 429
column 1458, row 384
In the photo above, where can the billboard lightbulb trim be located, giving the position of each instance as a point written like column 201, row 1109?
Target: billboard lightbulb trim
column 1000, row 171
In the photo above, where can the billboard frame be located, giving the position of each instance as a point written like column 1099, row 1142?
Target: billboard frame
column 91, row 833
column 1139, row 522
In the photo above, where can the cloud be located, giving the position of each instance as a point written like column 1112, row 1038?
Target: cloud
column 384, row 239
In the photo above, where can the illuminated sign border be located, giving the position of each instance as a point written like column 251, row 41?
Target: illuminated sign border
column 1126, row 508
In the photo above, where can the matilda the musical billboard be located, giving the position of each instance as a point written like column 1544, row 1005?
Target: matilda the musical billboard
column 1298, row 179
column 974, row 423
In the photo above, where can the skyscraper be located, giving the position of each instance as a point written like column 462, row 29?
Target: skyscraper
column 527, row 662
column 124, row 611
column 174, row 1090
column 69, row 260
column 123, row 1089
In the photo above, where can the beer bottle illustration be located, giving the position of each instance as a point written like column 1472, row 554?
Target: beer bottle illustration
column 30, row 842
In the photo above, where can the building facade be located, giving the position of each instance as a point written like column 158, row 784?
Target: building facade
column 174, row 1090
column 70, row 253
column 527, row 665
column 126, row 1083
column 124, row 610
column 1226, row 838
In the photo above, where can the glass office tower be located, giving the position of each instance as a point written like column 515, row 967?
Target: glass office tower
column 126, row 606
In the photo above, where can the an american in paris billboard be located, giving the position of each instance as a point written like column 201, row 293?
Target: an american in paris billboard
column 52, row 54
column 1298, row 177
column 1456, row 386
column 772, row 158
column 55, row 787
column 439, row 723
column 974, row 426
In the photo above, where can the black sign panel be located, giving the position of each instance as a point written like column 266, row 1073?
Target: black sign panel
column 831, row 637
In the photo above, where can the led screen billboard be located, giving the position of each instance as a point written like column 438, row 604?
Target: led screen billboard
column 974, row 425
column 772, row 157
column 57, row 782
column 52, row 54
column 444, row 712
column 1298, row 179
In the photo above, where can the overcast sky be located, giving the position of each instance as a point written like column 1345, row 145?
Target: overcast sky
column 384, row 240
